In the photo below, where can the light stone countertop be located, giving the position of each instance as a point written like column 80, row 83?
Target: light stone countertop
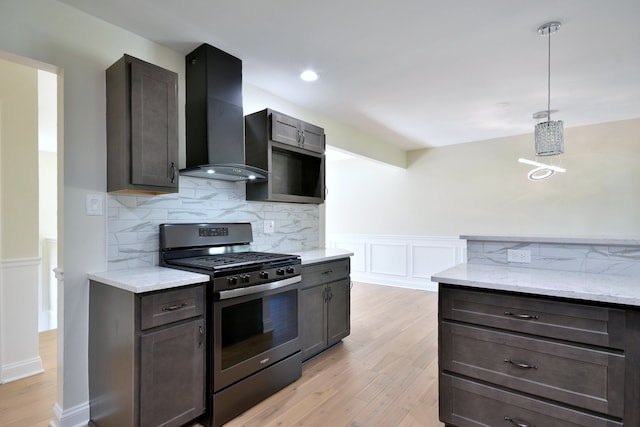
column 605, row 288
column 313, row 256
column 147, row 279
column 608, row 241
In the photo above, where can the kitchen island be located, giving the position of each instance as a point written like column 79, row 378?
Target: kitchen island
column 553, row 341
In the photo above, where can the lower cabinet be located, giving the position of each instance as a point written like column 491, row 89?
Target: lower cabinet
column 511, row 359
column 326, row 305
column 171, row 374
column 146, row 356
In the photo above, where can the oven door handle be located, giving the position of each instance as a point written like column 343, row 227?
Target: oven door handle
column 239, row 292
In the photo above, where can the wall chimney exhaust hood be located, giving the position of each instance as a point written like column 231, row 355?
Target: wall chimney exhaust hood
column 214, row 117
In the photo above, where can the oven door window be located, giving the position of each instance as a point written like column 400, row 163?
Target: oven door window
column 257, row 325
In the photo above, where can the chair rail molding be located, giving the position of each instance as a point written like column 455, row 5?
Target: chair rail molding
column 400, row 260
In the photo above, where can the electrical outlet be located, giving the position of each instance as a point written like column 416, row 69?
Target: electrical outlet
column 269, row 226
column 519, row 255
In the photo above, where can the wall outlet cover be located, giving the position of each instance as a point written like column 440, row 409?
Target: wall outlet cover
column 519, row 255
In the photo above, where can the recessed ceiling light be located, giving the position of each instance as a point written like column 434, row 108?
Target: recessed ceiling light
column 309, row 76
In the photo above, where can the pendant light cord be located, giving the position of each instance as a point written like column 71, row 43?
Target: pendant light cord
column 549, row 80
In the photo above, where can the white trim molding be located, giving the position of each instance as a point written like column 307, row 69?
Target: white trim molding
column 397, row 260
column 21, row 369
column 19, row 350
column 77, row 416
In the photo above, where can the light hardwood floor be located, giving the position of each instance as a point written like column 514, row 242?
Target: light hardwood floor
column 29, row 402
column 383, row 374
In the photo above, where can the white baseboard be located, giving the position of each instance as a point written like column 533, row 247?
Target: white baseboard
column 22, row 369
column 398, row 260
column 77, row 416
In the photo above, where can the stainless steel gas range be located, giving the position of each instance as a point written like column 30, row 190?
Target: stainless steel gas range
column 253, row 302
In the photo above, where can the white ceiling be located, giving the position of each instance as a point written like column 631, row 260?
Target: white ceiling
column 416, row 73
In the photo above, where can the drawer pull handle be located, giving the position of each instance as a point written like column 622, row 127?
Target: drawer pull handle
column 518, row 423
column 523, row 365
column 521, row 316
column 327, row 272
column 173, row 172
column 174, row 307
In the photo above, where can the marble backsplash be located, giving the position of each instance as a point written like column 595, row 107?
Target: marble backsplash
column 623, row 260
column 133, row 220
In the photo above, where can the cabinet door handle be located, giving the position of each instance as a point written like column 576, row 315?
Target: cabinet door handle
column 517, row 422
column 173, row 172
column 330, row 293
column 174, row 307
column 522, row 365
column 201, row 336
column 325, row 295
column 521, row 316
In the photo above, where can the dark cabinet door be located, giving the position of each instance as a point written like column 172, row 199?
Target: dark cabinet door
column 285, row 129
column 291, row 131
column 338, row 311
column 154, row 131
column 326, row 305
column 312, row 137
column 172, row 374
column 142, row 127
column 314, row 322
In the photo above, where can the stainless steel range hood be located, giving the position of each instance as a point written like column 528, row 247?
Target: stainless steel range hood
column 214, row 117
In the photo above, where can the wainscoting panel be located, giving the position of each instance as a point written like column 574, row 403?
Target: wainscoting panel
column 389, row 259
column 19, row 356
column 402, row 261
column 358, row 260
column 432, row 259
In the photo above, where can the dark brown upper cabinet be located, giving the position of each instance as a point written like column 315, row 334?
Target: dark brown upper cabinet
column 292, row 152
column 142, row 128
column 295, row 132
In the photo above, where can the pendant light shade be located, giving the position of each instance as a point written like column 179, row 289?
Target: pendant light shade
column 549, row 138
column 549, row 135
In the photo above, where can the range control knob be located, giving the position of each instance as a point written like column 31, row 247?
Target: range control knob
column 264, row 274
column 232, row 280
column 280, row 272
column 291, row 270
column 245, row 278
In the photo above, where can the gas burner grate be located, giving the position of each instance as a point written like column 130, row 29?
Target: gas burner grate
column 237, row 259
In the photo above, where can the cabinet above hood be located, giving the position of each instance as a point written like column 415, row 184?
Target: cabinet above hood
column 214, row 117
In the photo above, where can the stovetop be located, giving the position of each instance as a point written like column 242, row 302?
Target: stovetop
column 230, row 260
column 222, row 250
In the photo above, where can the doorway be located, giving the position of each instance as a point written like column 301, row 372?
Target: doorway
column 47, row 198
column 28, row 211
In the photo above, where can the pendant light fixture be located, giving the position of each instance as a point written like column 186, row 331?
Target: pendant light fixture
column 549, row 135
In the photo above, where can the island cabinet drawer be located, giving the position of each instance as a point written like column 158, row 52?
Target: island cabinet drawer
column 465, row 403
column 582, row 323
column 325, row 272
column 588, row 378
column 171, row 306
